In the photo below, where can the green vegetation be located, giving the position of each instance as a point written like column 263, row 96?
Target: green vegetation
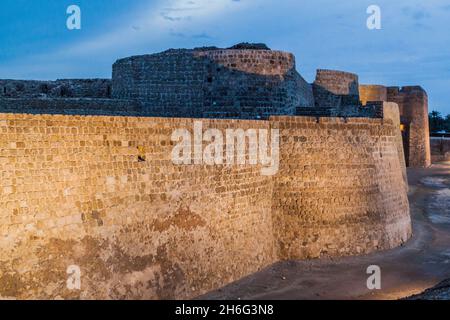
column 439, row 122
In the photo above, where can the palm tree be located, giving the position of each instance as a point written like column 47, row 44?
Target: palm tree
column 436, row 121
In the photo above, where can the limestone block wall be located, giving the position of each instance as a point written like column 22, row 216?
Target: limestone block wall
column 391, row 112
column 340, row 189
column 74, row 192
column 219, row 83
column 102, row 193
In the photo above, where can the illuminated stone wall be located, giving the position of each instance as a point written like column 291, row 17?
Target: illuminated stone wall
column 102, row 193
column 413, row 106
column 340, row 189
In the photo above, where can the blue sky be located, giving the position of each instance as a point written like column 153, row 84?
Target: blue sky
column 412, row 48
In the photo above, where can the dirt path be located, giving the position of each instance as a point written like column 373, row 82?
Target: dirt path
column 421, row 263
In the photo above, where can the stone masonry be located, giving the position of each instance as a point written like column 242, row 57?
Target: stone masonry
column 87, row 177
column 231, row 83
column 413, row 106
column 102, row 193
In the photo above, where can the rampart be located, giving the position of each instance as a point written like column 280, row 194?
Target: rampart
column 413, row 107
column 88, row 179
column 213, row 83
column 102, row 193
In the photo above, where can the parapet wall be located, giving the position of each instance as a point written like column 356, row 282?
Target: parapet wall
column 102, row 193
column 71, row 106
column 216, row 83
column 440, row 149
column 340, row 189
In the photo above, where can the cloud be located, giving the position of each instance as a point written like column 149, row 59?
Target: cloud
column 410, row 49
column 166, row 18
column 202, row 36
column 148, row 29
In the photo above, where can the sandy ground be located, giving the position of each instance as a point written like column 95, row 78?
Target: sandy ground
column 421, row 263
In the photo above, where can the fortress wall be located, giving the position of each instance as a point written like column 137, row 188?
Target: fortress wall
column 70, row 106
column 340, row 189
column 413, row 108
column 372, row 93
column 73, row 192
column 335, row 88
column 167, row 83
column 413, row 105
column 102, row 193
column 75, row 88
column 247, row 84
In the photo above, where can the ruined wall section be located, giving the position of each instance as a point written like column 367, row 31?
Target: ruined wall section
column 340, row 189
column 413, row 105
column 216, row 83
column 102, row 193
column 64, row 88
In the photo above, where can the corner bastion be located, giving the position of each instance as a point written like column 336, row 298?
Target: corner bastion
column 101, row 192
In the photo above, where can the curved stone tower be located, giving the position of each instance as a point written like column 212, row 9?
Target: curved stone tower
column 210, row 82
column 369, row 93
column 335, row 88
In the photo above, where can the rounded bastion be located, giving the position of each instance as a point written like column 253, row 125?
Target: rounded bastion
column 369, row 93
column 210, row 82
column 334, row 88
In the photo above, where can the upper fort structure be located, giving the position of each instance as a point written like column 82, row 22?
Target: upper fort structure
column 413, row 106
column 88, row 179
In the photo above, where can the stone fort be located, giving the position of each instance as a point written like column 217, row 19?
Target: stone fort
column 87, row 178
